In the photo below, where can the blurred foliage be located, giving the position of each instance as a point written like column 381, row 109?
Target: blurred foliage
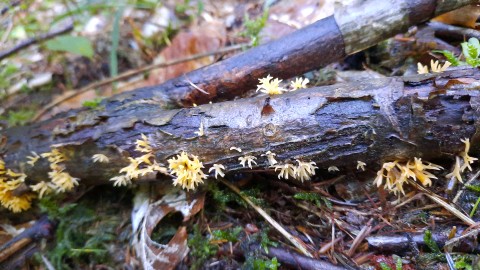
column 19, row 117
column 254, row 27
column 73, row 44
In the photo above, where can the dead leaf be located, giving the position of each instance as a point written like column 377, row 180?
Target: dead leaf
column 158, row 256
column 453, row 82
column 465, row 16
column 202, row 38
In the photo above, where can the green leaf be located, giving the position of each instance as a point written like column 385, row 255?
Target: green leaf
column 385, row 266
column 468, row 50
column 72, row 44
column 431, row 244
column 399, row 264
column 474, row 42
column 450, row 57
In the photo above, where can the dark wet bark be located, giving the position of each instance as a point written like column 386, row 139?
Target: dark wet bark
column 374, row 121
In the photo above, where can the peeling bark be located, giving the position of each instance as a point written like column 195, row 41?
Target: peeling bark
column 393, row 118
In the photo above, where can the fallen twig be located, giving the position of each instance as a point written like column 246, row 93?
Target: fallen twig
column 450, row 208
column 131, row 73
column 296, row 242
column 42, row 37
column 43, row 228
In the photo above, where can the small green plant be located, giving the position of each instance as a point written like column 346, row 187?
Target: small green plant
column 313, row 197
column 230, row 235
column 261, row 264
column 470, row 50
column 93, row 104
column 430, row 243
column 467, row 262
column 20, row 117
column 398, row 265
column 82, row 236
column 253, row 27
column 200, row 248
column 265, row 242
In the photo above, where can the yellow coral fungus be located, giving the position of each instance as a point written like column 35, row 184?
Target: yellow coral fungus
column 139, row 166
column 188, row 171
column 467, row 160
column 361, row 165
column 304, row 170
column 299, row 83
column 270, row 157
column 32, row 159
column 269, row 86
column 398, row 173
column 62, row 180
column 285, row 170
column 100, row 158
column 54, row 156
column 218, row 168
column 143, row 145
column 10, row 181
column 247, row 160
column 43, row 188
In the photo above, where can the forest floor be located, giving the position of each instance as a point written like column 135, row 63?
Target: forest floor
column 341, row 218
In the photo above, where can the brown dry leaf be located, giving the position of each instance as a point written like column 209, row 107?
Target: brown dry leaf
column 206, row 37
column 453, row 82
column 158, row 256
column 466, row 16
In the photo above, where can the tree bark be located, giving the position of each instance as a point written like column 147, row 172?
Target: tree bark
column 351, row 29
column 384, row 119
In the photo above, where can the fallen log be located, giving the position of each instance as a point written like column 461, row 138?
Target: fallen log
column 383, row 119
column 351, row 29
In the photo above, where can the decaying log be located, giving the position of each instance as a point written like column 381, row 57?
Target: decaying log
column 349, row 30
column 393, row 118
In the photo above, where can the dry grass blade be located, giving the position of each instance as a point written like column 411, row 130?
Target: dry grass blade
column 450, row 208
column 460, row 192
column 270, row 220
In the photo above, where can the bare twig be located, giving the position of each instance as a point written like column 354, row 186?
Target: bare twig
column 131, row 73
column 42, row 37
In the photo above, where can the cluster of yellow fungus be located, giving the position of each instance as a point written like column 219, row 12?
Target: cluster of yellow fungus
column 247, row 160
column 270, row 157
column 187, row 170
column 361, row 165
column 467, row 160
column 271, row 86
column 218, row 169
column 299, row 83
column 62, row 181
column 9, row 181
column 434, row 65
column 100, row 158
column 304, row 170
column 139, row 166
column 395, row 174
